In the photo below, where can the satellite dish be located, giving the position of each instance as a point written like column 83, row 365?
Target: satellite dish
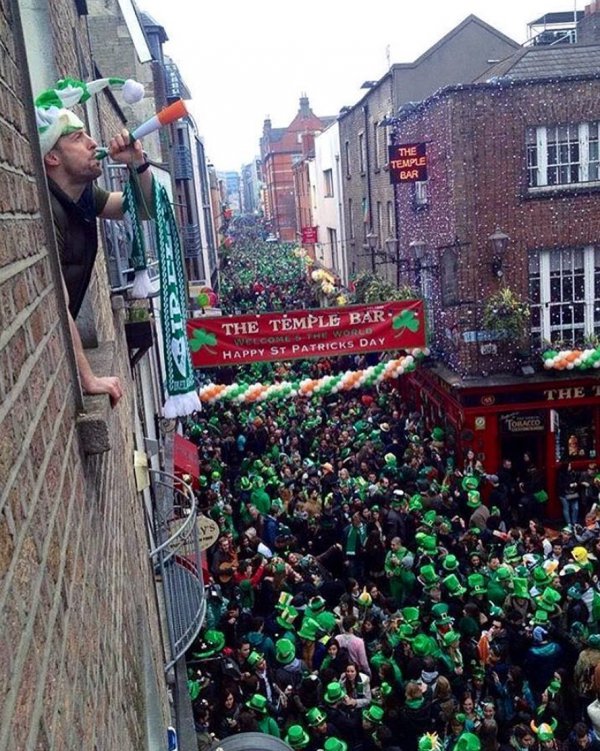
column 250, row 742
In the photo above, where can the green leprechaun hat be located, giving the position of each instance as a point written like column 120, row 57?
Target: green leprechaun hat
column 451, row 638
column 511, row 554
column 213, row 641
column 423, row 645
column 450, row 562
column 467, row 742
column 285, row 652
column 476, row 584
column 258, row 703
column 470, row 482
column 521, row 588
column 373, row 714
column 284, row 601
column 315, row 717
column 410, row 614
column 254, row 658
column 473, row 499
column 427, row 576
column 540, row 618
column 335, row 744
column 309, row 629
column 453, row 585
column 297, row 737
column 426, row 543
column 548, row 600
column 334, row 692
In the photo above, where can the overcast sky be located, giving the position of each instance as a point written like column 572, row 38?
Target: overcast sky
column 245, row 61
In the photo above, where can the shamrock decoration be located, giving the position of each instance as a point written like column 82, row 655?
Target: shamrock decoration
column 202, row 338
column 405, row 320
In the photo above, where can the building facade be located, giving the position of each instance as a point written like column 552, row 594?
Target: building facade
column 280, row 149
column 514, row 157
column 371, row 228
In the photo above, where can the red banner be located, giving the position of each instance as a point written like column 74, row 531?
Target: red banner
column 301, row 334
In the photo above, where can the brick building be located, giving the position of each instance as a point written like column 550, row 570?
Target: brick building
column 83, row 650
column 280, row 148
column 516, row 152
column 368, row 197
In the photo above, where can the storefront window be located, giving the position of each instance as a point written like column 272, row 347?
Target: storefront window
column 576, row 437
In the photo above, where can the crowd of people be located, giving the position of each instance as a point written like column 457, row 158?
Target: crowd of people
column 372, row 589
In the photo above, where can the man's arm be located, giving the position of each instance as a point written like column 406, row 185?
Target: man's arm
column 90, row 383
column 121, row 150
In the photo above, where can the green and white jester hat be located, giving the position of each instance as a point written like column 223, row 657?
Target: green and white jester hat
column 53, row 106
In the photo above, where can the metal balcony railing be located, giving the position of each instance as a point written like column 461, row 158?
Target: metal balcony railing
column 182, row 162
column 174, row 88
column 192, row 241
column 177, row 559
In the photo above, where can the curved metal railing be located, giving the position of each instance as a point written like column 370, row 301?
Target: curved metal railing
column 177, row 559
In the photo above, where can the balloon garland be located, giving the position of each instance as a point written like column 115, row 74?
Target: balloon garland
column 309, row 387
column 571, row 359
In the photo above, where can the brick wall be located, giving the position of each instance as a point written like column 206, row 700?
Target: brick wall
column 478, row 181
column 74, row 577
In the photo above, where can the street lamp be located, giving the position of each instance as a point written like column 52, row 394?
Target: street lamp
column 418, row 248
column 499, row 241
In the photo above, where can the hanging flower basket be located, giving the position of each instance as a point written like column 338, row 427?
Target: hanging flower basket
column 506, row 315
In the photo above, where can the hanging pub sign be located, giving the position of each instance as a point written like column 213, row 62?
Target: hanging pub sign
column 309, row 235
column 408, row 163
column 322, row 332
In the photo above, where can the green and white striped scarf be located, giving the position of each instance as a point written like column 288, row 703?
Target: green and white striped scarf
column 182, row 398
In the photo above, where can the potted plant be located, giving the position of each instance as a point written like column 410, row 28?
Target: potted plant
column 506, row 315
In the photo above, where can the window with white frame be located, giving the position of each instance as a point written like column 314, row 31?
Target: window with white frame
column 380, row 222
column 390, row 219
column 564, row 293
column 562, row 154
column 328, row 180
column 362, row 156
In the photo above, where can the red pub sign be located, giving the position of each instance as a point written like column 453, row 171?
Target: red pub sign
column 309, row 235
column 302, row 334
column 408, row 163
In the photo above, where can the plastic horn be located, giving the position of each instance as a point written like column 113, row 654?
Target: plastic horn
column 166, row 116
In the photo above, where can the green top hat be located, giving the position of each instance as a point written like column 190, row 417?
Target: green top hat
column 309, row 629
column 453, row 585
column 390, row 459
column 297, row 737
column 444, row 620
column 428, row 575
column 473, row 499
column 437, row 434
column 284, row 651
column 335, row 744
column 254, row 658
column 540, row 576
column 467, row 742
column 426, row 543
column 440, row 609
column 410, row 614
column 326, row 621
column 315, row 717
column 450, row 638
column 511, row 554
column 373, row 714
column 470, row 482
column 548, row 600
column 245, row 483
column 429, row 518
column 476, row 584
column 415, row 503
column 213, row 642
column 503, row 574
column 521, row 588
column 316, row 604
column 334, row 692
column 258, row 703
column 540, row 618
column 423, row 645
column 450, row 562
